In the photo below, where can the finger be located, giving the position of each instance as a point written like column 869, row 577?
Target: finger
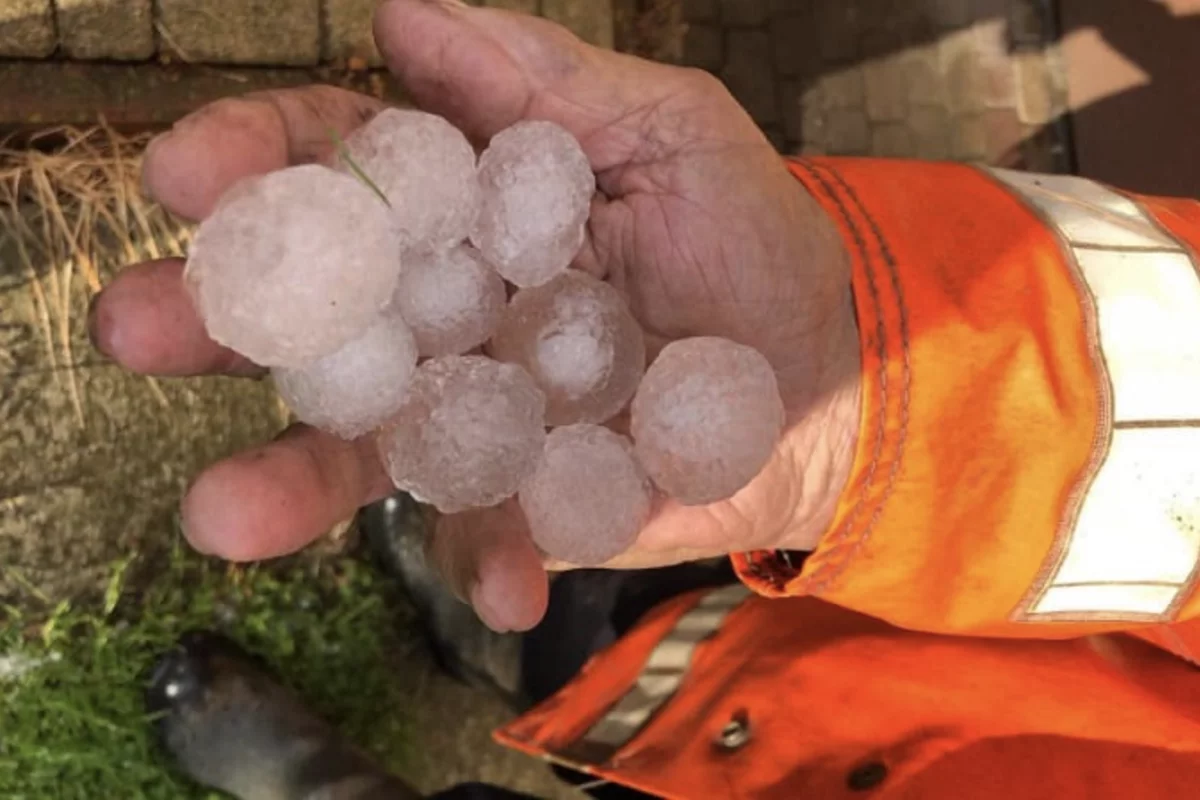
column 486, row 69
column 278, row 498
column 591, row 258
column 145, row 321
column 487, row 558
column 188, row 168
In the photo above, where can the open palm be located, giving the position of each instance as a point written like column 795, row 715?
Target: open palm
column 697, row 222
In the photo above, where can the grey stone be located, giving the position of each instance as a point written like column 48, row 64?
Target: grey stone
column 791, row 102
column 120, row 30
column 749, row 76
column 964, row 74
column 27, row 29
column 1027, row 23
column 701, row 10
column 796, row 45
column 838, row 22
column 886, row 88
column 744, row 13
column 244, row 31
column 1035, row 98
column 923, row 74
column 704, row 47
column 892, row 140
column 949, row 13
column 931, row 132
column 968, row 138
column 591, row 21
column 999, row 77
column 847, row 132
column 348, row 31
column 843, row 88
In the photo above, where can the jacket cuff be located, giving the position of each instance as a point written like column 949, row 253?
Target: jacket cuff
column 980, row 405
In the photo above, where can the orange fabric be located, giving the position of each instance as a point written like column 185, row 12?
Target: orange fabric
column 979, row 413
column 980, row 401
column 1182, row 219
column 826, row 690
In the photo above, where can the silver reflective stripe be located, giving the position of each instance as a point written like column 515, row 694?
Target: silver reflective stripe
column 662, row 674
column 1130, row 545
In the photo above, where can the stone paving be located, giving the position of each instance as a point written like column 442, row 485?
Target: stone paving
column 969, row 80
column 235, row 32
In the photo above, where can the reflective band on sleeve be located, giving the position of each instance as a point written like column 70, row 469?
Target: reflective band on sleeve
column 1129, row 548
column 664, row 671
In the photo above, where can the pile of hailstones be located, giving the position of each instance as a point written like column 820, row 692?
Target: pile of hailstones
column 373, row 287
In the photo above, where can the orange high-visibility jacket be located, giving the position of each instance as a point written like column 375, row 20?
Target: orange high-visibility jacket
column 1006, row 603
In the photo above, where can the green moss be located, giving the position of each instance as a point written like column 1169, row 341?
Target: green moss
column 74, row 727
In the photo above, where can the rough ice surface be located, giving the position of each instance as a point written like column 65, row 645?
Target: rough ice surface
column 452, row 300
column 294, row 264
column 706, row 418
column 426, row 168
column 537, row 191
column 357, row 388
column 469, row 431
column 588, row 497
column 576, row 336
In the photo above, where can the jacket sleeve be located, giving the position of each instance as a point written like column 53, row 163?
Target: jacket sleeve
column 1028, row 461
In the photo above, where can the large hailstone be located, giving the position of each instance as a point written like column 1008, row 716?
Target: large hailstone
column 537, row 190
column 469, row 431
column 357, row 388
column 293, row 265
column 706, row 418
column 578, row 340
column 452, row 300
column 426, row 169
column 588, row 498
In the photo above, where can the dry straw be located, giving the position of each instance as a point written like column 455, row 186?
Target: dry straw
column 72, row 209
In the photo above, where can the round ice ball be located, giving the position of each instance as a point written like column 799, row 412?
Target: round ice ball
column 537, row 189
column 357, row 388
column 706, row 418
column 293, row 264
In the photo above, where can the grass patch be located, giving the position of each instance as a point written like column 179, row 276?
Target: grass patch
column 74, row 726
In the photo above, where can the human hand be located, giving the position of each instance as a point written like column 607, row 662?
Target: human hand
column 697, row 222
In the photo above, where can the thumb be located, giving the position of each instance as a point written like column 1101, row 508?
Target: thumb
column 488, row 559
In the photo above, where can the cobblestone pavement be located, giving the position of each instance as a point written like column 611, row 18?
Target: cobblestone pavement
column 247, row 32
column 969, row 80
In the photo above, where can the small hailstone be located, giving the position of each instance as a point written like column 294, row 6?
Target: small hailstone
column 426, row 169
column 294, row 264
column 357, row 388
column 706, row 418
column 469, row 431
column 537, row 190
column 588, row 497
column 452, row 300
column 577, row 339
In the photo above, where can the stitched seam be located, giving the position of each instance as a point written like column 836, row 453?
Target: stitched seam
column 840, row 539
column 889, row 259
column 1064, row 532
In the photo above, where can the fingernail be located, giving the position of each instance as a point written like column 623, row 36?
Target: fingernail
column 486, row 610
column 93, row 325
column 146, row 156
